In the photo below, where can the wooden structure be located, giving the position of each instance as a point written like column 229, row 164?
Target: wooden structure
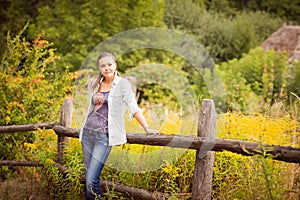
column 287, row 39
column 205, row 144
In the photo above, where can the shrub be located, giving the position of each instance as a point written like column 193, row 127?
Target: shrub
column 27, row 93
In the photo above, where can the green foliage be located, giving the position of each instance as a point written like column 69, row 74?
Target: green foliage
column 263, row 72
column 224, row 6
column 76, row 27
column 61, row 185
column 181, row 14
column 222, row 34
column 261, row 176
column 265, row 178
column 238, row 94
column 158, row 81
column 286, row 9
column 226, row 38
column 27, row 93
column 66, row 185
column 266, row 72
column 293, row 78
column 14, row 14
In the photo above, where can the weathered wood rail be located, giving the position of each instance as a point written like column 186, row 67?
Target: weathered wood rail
column 205, row 144
column 281, row 153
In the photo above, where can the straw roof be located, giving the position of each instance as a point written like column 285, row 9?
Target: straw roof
column 287, row 38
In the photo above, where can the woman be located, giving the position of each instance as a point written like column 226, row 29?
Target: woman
column 104, row 126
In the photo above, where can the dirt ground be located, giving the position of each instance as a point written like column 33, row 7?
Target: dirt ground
column 24, row 185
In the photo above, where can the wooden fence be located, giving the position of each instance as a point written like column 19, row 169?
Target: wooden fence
column 205, row 144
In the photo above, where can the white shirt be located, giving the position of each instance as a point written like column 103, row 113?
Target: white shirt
column 121, row 97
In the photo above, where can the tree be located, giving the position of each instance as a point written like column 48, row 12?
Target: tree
column 76, row 27
column 225, row 34
column 14, row 14
column 286, row 9
column 289, row 10
column 182, row 15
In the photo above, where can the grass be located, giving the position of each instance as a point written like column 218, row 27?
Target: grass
column 170, row 171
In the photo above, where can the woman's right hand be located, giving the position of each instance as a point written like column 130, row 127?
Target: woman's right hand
column 98, row 98
column 150, row 131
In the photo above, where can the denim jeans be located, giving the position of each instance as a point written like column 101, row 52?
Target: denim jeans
column 95, row 151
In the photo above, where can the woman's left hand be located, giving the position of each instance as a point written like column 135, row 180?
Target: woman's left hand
column 150, row 131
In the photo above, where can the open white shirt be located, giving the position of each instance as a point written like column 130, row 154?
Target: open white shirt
column 121, row 97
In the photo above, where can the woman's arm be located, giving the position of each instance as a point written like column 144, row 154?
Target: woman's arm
column 142, row 121
column 135, row 110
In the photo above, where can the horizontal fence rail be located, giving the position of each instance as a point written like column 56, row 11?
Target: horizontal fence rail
column 27, row 127
column 20, row 163
column 282, row 153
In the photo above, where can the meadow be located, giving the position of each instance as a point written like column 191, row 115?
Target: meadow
column 170, row 171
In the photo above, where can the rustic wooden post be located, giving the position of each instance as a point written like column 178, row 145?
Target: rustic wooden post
column 202, row 181
column 66, row 121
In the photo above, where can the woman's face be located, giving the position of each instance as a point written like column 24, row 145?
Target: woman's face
column 107, row 67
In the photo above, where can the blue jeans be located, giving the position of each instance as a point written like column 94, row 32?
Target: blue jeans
column 95, row 151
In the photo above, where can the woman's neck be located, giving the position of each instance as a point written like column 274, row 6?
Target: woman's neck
column 108, row 81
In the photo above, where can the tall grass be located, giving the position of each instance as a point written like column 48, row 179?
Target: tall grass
column 169, row 170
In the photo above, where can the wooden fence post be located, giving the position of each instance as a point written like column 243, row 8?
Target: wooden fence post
column 66, row 121
column 202, row 180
